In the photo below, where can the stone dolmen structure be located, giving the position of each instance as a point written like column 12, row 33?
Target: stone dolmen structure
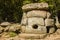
column 36, row 24
column 36, row 21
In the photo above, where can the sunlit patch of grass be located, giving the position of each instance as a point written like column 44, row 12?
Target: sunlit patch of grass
column 12, row 34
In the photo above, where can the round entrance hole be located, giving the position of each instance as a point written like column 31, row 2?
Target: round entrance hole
column 35, row 26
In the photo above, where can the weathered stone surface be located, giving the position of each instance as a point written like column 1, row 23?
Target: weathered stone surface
column 33, row 21
column 23, row 28
column 52, row 30
column 32, row 36
column 24, row 15
column 37, row 13
column 5, row 24
column 35, row 6
column 38, row 30
column 6, row 28
column 49, row 22
column 48, row 14
column 24, row 21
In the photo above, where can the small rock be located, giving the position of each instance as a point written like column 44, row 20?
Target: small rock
column 58, row 31
column 48, row 14
column 52, row 30
column 14, row 27
column 38, row 30
column 5, row 24
column 23, row 29
column 6, row 28
column 1, row 29
column 5, row 35
column 58, row 25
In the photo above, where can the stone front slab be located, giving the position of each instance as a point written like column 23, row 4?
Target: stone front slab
column 38, row 30
column 36, row 20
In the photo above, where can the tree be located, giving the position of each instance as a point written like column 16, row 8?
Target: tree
column 10, row 10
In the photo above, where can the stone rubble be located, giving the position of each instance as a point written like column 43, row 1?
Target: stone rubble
column 39, row 30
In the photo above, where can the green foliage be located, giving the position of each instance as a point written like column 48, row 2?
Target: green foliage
column 10, row 10
column 42, row 1
column 27, row 2
column 12, row 34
